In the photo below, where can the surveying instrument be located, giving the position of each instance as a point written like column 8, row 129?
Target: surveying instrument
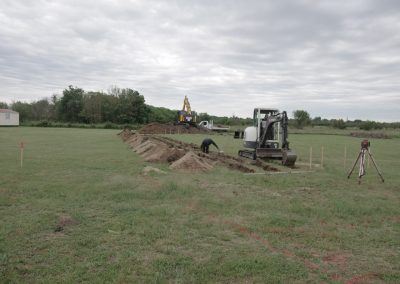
column 365, row 144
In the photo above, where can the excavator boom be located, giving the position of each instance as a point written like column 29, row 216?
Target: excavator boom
column 186, row 106
column 186, row 116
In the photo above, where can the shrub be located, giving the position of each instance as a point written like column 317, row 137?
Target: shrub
column 339, row 123
column 369, row 125
column 110, row 125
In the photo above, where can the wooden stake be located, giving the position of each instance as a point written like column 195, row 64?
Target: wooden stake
column 322, row 156
column 345, row 157
column 310, row 157
column 21, row 147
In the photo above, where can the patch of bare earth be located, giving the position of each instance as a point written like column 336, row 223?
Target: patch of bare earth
column 63, row 222
column 364, row 278
column 337, row 259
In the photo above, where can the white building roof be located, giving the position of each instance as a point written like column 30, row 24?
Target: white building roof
column 4, row 110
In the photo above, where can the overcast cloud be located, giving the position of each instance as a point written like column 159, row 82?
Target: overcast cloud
column 335, row 59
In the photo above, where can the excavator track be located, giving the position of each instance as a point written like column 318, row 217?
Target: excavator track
column 288, row 157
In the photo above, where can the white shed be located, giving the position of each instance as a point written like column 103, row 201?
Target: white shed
column 9, row 117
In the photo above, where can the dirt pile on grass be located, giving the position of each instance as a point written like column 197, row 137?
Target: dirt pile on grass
column 152, row 150
column 180, row 155
column 191, row 162
column 125, row 134
column 379, row 135
column 169, row 128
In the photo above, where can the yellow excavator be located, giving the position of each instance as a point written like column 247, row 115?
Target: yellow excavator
column 186, row 116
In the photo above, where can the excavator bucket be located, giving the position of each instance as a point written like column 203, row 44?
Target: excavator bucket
column 288, row 157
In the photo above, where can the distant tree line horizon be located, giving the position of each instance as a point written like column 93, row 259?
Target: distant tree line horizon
column 125, row 106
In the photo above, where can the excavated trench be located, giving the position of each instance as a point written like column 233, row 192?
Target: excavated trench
column 185, row 156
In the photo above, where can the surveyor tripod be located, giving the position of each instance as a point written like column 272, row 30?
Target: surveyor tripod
column 361, row 156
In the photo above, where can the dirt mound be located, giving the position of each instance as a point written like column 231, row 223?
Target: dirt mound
column 379, row 135
column 169, row 128
column 183, row 156
column 153, row 150
column 125, row 134
column 191, row 162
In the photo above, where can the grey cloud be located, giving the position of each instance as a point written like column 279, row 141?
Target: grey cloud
column 333, row 58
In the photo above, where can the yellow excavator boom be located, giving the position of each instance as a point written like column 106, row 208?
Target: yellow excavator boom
column 186, row 106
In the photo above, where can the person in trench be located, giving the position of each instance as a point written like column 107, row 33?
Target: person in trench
column 205, row 145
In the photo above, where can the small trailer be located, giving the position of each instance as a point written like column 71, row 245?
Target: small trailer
column 210, row 126
column 9, row 117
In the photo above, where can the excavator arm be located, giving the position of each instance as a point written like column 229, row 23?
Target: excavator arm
column 186, row 106
column 268, row 130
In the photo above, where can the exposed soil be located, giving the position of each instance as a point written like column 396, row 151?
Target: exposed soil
column 153, row 150
column 265, row 166
column 183, row 156
column 379, row 135
column 191, row 162
column 125, row 134
column 64, row 221
column 365, row 278
column 337, row 259
column 169, row 128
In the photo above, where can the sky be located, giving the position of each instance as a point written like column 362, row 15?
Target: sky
column 334, row 59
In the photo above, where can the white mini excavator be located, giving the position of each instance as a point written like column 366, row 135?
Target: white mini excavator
column 267, row 138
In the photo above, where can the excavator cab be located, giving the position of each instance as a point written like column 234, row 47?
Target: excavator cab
column 268, row 137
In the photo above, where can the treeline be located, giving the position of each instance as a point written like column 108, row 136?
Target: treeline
column 119, row 107
column 225, row 120
column 302, row 118
column 357, row 123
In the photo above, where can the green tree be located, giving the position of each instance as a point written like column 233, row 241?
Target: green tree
column 71, row 104
column 92, row 107
column 41, row 110
column 24, row 110
column 302, row 118
column 316, row 121
column 160, row 114
column 338, row 123
column 131, row 107
column 369, row 125
column 109, row 106
column 203, row 116
column 3, row 105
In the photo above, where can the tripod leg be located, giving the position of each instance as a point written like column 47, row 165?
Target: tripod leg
column 361, row 172
column 352, row 169
column 376, row 167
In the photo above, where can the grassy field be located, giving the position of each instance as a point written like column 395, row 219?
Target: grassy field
column 81, row 210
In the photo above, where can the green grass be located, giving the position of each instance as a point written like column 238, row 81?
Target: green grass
column 222, row 226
